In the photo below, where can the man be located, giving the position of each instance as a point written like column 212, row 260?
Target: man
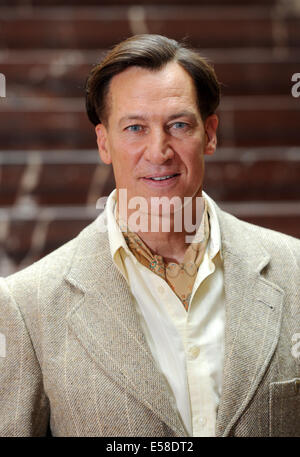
column 132, row 329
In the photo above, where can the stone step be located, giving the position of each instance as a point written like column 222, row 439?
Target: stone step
column 61, row 123
column 28, row 240
column 66, row 178
column 75, row 3
column 46, row 73
column 94, row 28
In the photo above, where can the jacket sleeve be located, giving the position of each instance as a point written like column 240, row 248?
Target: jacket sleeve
column 24, row 408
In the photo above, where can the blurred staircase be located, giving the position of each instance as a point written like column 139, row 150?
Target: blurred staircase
column 50, row 173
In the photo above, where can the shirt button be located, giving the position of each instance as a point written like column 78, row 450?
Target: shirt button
column 161, row 290
column 202, row 421
column 194, row 352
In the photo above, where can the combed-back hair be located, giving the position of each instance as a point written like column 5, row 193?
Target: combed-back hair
column 152, row 52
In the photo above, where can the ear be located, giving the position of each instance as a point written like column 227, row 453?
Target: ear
column 102, row 140
column 210, row 126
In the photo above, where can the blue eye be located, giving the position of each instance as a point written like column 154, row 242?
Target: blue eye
column 134, row 128
column 179, row 125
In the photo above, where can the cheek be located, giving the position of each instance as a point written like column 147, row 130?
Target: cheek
column 126, row 157
column 191, row 152
column 123, row 160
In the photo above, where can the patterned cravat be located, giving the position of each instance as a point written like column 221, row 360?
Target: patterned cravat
column 179, row 276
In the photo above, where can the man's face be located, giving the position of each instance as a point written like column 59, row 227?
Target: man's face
column 155, row 130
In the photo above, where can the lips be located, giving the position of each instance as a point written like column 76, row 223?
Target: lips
column 161, row 177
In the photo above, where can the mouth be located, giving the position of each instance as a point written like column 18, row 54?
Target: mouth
column 161, row 178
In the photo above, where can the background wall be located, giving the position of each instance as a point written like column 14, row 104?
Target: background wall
column 50, row 174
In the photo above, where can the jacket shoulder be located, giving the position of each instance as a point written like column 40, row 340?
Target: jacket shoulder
column 278, row 244
column 50, row 270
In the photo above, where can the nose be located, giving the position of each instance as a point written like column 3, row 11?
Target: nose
column 158, row 149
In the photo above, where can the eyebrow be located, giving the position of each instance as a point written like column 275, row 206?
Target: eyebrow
column 130, row 117
column 139, row 117
column 182, row 114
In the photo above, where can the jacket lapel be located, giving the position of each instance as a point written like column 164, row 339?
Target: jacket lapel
column 253, row 317
column 106, row 323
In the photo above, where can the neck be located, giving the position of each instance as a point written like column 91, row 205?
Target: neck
column 167, row 235
column 171, row 246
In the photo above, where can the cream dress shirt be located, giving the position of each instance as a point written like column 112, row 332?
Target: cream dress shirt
column 188, row 347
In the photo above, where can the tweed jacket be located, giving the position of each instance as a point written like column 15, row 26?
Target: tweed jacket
column 76, row 356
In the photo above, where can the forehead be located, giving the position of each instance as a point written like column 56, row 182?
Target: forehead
column 140, row 87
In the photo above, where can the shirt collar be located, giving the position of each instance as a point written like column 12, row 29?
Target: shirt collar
column 214, row 245
column 115, row 236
